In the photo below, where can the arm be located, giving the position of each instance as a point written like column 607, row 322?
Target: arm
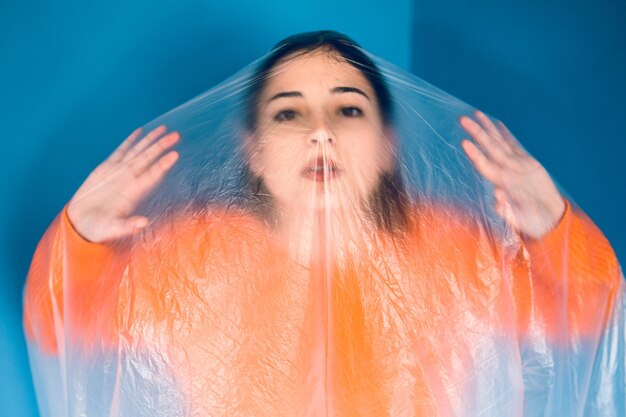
column 76, row 308
column 74, row 276
column 568, row 279
column 63, row 263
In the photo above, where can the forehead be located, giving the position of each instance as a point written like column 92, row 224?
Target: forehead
column 313, row 71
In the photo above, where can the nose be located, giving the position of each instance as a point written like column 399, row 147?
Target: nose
column 322, row 136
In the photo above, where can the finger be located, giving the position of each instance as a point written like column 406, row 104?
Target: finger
column 121, row 150
column 499, row 208
column 499, row 195
column 128, row 143
column 503, row 211
column 126, row 227
column 499, row 198
column 493, row 147
column 506, row 213
column 149, row 156
column 488, row 125
column 156, row 171
column 137, row 222
column 483, row 165
column 145, row 142
column 510, row 139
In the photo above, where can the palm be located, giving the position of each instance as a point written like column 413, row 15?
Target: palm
column 525, row 195
column 102, row 208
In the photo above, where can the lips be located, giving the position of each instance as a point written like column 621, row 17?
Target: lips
column 320, row 170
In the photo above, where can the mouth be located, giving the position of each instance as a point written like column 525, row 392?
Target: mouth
column 320, row 170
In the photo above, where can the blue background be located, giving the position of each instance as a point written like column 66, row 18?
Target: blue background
column 76, row 78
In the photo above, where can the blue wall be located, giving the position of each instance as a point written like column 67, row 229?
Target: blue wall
column 76, row 78
column 554, row 73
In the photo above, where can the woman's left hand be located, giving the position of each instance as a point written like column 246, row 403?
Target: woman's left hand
column 525, row 195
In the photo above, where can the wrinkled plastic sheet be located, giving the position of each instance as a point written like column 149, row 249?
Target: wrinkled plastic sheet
column 317, row 255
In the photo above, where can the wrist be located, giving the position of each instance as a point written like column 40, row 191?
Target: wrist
column 70, row 216
column 560, row 213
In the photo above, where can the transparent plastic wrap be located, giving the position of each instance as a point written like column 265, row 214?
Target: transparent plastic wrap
column 324, row 234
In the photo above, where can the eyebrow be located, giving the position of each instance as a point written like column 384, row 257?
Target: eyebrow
column 335, row 90
column 286, row 94
column 349, row 90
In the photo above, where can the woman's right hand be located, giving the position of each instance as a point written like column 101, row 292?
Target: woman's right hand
column 102, row 208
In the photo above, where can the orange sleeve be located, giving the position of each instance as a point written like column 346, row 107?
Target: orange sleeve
column 572, row 266
column 64, row 263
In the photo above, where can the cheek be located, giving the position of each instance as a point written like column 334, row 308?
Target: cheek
column 280, row 155
column 368, row 151
column 279, row 163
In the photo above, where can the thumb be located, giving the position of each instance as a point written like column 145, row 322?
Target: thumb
column 503, row 208
column 137, row 223
column 129, row 226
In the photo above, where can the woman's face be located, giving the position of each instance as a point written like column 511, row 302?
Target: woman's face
column 320, row 140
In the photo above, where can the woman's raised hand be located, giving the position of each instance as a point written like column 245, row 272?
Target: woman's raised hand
column 102, row 208
column 525, row 195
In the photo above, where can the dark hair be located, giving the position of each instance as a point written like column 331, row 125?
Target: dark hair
column 388, row 205
column 307, row 42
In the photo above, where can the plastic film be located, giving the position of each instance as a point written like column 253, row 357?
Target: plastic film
column 324, row 234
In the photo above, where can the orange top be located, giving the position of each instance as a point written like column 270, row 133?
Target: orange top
column 245, row 330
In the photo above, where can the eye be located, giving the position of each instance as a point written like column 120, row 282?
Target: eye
column 285, row 115
column 351, row 111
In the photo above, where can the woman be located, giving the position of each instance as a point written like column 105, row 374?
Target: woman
column 334, row 292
